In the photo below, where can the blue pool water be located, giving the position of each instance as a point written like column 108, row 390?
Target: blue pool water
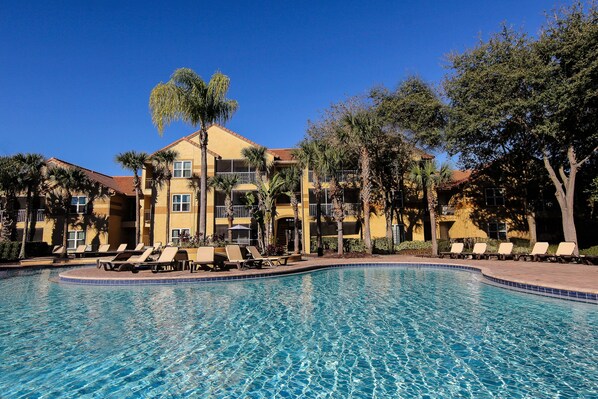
column 339, row 333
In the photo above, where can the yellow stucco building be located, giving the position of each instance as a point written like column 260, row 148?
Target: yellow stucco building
column 112, row 219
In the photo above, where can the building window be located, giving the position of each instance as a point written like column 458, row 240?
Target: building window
column 78, row 204
column 495, row 197
column 181, row 202
column 74, row 239
column 182, row 169
column 178, row 235
column 497, row 230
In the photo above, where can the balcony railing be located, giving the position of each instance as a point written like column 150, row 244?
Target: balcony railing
column 349, row 208
column 342, row 176
column 244, row 177
column 39, row 214
column 447, row 210
column 239, row 211
column 147, row 217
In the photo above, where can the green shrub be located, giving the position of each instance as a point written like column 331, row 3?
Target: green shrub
column 444, row 245
column 590, row 251
column 414, row 245
column 331, row 244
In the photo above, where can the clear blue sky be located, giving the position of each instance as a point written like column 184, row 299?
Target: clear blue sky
column 75, row 76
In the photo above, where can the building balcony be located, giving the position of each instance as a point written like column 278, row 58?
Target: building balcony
column 341, row 176
column 244, row 177
column 39, row 214
column 349, row 208
column 239, row 211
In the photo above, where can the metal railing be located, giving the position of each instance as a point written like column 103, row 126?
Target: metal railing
column 40, row 215
column 349, row 208
column 341, row 176
column 239, row 211
column 244, row 177
column 147, row 217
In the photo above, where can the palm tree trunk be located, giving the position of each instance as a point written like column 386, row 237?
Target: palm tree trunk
column 318, row 193
column 366, row 189
column 203, row 183
column 137, row 210
column 432, row 210
column 153, row 212
column 229, row 215
column 295, row 204
column 168, row 210
column 65, row 231
column 26, row 225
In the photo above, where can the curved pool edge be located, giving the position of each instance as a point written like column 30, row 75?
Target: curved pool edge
column 488, row 278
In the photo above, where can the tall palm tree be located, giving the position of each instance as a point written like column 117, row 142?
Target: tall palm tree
column 157, row 182
column 364, row 133
column 269, row 190
column 165, row 159
column 187, row 97
column 64, row 184
column 292, row 186
column 227, row 184
column 428, row 177
column 308, row 154
column 30, row 177
column 331, row 165
column 256, row 159
column 134, row 161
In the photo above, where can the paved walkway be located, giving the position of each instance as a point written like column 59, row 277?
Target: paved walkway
column 572, row 277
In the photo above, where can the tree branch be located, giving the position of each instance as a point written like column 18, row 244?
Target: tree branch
column 578, row 164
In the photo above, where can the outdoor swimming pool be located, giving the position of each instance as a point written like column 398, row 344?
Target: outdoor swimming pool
column 339, row 333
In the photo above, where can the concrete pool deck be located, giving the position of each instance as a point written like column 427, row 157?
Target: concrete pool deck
column 523, row 275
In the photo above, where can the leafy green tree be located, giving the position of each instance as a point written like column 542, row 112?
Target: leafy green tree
column 187, row 97
column 29, row 179
column 428, row 177
column 392, row 160
column 8, row 196
column 513, row 94
column 64, row 183
column 165, row 161
column 414, row 115
column 292, row 188
column 135, row 162
column 226, row 184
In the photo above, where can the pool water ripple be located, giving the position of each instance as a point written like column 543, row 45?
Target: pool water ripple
column 338, row 333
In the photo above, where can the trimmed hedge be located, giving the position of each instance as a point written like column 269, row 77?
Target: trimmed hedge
column 9, row 250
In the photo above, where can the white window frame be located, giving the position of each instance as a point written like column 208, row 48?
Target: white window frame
column 495, row 231
column 79, row 207
column 493, row 194
column 179, row 204
column 174, row 238
column 78, row 239
column 182, row 169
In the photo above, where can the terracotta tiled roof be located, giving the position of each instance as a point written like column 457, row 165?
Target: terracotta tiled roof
column 126, row 184
column 459, row 176
column 423, row 154
column 283, row 154
column 104, row 180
